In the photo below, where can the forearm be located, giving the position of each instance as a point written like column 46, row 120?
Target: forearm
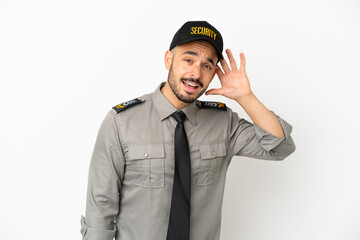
column 260, row 115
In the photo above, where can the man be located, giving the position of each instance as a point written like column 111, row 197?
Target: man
column 154, row 176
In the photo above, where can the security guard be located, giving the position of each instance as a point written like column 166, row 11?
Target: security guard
column 155, row 175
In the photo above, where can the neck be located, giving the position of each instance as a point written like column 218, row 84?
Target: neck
column 171, row 97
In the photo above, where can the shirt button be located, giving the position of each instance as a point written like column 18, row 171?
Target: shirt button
column 146, row 155
column 214, row 153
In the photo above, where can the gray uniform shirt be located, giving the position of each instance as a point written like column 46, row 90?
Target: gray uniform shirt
column 132, row 167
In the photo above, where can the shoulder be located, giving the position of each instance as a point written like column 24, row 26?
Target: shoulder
column 122, row 106
column 215, row 111
column 133, row 103
column 211, row 105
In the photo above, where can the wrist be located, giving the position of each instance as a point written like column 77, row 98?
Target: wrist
column 246, row 99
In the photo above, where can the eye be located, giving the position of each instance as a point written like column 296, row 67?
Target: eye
column 207, row 66
column 187, row 60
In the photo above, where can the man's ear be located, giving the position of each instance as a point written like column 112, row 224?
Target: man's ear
column 168, row 59
column 216, row 68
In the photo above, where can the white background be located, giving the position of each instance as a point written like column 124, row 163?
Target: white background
column 64, row 64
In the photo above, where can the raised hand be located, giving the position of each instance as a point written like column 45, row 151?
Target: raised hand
column 234, row 82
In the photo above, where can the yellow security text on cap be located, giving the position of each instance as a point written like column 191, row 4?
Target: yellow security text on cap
column 203, row 31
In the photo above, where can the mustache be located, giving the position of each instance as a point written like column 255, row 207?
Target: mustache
column 197, row 81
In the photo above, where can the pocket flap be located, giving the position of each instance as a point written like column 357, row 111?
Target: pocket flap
column 146, row 151
column 208, row 151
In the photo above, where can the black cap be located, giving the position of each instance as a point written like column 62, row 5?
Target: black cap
column 198, row 30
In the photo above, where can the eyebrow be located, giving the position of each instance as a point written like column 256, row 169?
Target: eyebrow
column 195, row 54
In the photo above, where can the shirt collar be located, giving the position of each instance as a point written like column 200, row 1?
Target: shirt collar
column 164, row 108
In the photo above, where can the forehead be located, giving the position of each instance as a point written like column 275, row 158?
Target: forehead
column 202, row 48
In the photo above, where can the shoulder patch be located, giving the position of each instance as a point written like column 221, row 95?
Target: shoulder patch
column 212, row 105
column 124, row 105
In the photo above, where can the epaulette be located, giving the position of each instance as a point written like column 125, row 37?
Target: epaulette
column 212, row 105
column 124, row 105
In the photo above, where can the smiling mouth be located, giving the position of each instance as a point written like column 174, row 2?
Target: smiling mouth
column 190, row 84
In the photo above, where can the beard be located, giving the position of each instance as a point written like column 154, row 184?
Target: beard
column 175, row 87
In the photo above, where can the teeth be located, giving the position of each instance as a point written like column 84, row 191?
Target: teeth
column 188, row 83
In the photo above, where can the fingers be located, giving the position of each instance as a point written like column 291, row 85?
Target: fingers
column 231, row 59
column 219, row 72
column 242, row 62
column 224, row 65
column 233, row 66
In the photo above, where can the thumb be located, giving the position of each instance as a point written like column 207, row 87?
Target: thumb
column 213, row 91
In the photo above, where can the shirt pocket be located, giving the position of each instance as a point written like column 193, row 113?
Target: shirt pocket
column 211, row 157
column 145, row 165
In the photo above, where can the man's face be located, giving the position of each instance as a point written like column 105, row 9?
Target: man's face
column 192, row 67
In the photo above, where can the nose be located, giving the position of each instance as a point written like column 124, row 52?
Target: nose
column 195, row 71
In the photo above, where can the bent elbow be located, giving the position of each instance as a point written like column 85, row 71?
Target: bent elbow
column 287, row 152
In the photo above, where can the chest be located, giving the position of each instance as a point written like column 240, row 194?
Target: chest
column 148, row 149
